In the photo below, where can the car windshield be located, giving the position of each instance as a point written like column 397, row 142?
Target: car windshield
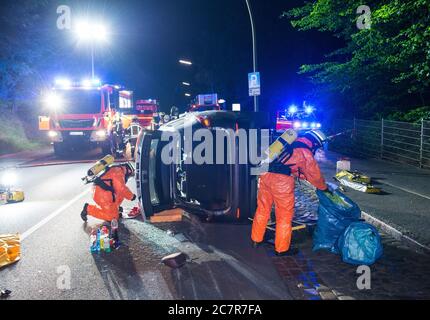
column 80, row 101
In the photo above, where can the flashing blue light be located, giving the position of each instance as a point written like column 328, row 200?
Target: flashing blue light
column 297, row 125
column 292, row 109
column 309, row 109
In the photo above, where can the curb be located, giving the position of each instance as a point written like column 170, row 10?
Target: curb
column 393, row 232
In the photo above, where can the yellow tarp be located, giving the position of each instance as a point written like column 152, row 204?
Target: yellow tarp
column 10, row 249
column 357, row 181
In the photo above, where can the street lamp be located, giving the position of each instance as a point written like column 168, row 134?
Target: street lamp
column 92, row 33
column 188, row 95
column 187, row 84
column 254, row 48
column 185, row 62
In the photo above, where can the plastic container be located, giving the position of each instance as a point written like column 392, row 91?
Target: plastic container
column 343, row 164
column 93, row 241
column 114, row 233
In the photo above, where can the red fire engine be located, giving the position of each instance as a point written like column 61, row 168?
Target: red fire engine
column 80, row 115
column 205, row 102
column 297, row 118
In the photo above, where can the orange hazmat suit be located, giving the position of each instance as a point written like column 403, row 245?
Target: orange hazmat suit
column 279, row 189
column 109, row 197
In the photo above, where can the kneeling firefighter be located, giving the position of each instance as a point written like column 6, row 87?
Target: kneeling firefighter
column 277, row 186
column 110, row 190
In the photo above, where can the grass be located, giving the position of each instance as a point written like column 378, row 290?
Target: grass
column 13, row 137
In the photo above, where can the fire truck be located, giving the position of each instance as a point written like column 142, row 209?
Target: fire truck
column 302, row 118
column 129, row 122
column 82, row 115
column 205, row 102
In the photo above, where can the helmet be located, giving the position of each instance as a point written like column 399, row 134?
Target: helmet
column 317, row 138
column 129, row 170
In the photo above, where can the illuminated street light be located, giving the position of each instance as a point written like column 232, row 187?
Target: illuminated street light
column 186, row 84
column 188, row 95
column 91, row 32
column 185, row 62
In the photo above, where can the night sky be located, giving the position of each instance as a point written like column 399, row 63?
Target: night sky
column 149, row 36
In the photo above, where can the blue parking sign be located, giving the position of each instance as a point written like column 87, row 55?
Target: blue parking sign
column 254, row 84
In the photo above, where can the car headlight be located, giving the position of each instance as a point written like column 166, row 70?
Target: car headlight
column 318, row 125
column 305, row 125
column 297, row 125
column 313, row 125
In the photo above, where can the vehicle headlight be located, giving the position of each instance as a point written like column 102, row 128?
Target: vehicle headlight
column 101, row 133
column 313, row 125
column 318, row 125
column 98, row 135
column 305, row 125
column 53, row 134
column 297, row 125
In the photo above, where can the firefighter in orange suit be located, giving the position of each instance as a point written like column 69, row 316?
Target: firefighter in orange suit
column 110, row 190
column 277, row 186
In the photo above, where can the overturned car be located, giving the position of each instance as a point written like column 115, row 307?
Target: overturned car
column 203, row 163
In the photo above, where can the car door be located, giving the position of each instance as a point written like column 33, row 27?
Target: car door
column 153, row 177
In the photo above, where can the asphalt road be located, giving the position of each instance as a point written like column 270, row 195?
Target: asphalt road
column 56, row 262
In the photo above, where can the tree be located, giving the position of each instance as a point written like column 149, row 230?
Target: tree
column 379, row 69
column 22, row 47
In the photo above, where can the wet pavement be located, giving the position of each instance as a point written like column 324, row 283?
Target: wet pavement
column 222, row 264
column 402, row 272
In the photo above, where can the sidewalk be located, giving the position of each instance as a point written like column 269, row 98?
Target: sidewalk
column 405, row 204
column 15, row 159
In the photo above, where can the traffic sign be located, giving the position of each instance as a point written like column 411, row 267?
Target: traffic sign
column 254, row 84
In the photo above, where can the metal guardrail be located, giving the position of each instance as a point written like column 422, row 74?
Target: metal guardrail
column 392, row 140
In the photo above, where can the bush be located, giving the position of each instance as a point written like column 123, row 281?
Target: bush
column 414, row 115
column 13, row 137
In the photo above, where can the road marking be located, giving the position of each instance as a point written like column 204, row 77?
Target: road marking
column 406, row 190
column 37, row 226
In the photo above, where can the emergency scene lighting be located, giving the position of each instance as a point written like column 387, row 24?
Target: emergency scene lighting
column 215, row 151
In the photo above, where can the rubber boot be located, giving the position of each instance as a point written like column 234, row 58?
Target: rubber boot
column 84, row 213
column 290, row 252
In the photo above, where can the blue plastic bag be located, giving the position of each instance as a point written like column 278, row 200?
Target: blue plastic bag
column 335, row 213
column 360, row 244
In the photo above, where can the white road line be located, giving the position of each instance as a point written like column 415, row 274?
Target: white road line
column 37, row 226
column 405, row 190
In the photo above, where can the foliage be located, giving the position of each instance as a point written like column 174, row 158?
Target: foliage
column 13, row 137
column 414, row 115
column 22, row 47
column 378, row 69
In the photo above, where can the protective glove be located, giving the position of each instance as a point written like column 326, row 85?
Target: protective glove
column 329, row 190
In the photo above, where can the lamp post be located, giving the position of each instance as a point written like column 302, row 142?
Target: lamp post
column 92, row 33
column 254, row 48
